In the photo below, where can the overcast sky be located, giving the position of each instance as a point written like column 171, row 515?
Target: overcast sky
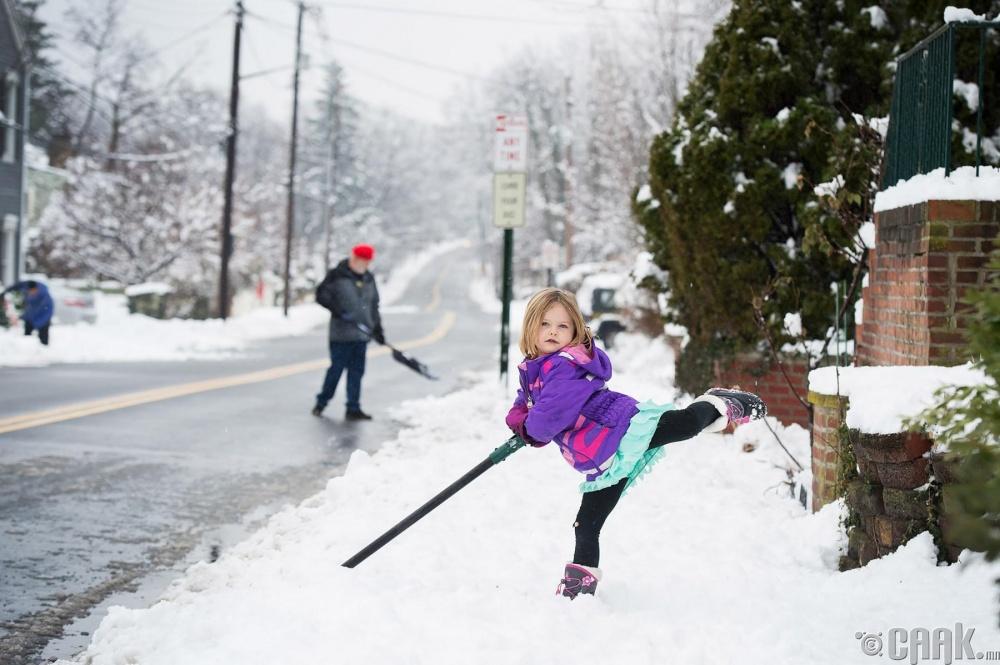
column 407, row 55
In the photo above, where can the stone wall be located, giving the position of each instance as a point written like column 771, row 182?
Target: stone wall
column 926, row 257
column 888, row 498
column 893, row 486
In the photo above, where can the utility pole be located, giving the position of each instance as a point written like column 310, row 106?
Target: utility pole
column 227, row 208
column 568, row 178
column 289, row 228
column 329, row 171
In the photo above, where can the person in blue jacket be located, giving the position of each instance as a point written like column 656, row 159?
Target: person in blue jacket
column 38, row 307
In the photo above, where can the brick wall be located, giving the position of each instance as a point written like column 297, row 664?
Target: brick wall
column 759, row 375
column 826, row 447
column 926, row 257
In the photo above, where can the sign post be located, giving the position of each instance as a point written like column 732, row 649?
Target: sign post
column 550, row 260
column 510, row 165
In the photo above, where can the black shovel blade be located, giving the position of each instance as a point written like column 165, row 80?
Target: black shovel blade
column 413, row 364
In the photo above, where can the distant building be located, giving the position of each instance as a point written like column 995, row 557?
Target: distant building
column 14, row 73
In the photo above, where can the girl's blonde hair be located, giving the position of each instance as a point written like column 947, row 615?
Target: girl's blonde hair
column 537, row 306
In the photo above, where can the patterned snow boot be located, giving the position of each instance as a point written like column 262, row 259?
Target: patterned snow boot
column 735, row 406
column 578, row 579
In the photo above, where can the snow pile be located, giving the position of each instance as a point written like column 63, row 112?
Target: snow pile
column 122, row 337
column 882, row 397
column 706, row 560
column 961, row 185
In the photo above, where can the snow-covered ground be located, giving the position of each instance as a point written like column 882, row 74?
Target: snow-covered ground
column 707, row 560
column 119, row 336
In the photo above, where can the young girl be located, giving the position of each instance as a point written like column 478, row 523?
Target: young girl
column 606, row 435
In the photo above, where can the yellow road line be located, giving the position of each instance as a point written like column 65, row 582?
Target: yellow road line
column 83, row 409
column 435, row 294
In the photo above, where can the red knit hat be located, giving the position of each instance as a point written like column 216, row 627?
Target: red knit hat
column 362, row 251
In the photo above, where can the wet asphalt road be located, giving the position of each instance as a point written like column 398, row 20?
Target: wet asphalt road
column 106, row 509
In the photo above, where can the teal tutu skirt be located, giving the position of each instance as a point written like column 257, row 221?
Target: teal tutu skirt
column 633, row 458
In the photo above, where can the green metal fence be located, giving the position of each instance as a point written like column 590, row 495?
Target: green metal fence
column 920, row 119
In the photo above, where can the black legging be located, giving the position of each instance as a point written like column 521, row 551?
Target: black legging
column 596, row 506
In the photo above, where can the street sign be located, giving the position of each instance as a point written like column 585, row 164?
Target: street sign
column 508, row 200
column 510, row 165
column 510, row 144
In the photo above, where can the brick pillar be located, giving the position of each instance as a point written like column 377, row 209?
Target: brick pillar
column 926, row 257
column 826, row 447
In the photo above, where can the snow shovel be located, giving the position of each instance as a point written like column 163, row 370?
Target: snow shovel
column 498, row 455
column 399, row 356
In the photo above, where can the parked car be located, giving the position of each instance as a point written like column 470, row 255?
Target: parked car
column 596, row 286
column 72, row 305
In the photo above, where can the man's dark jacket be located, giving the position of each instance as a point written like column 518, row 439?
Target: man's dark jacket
column 351, row 299
column 38, row 307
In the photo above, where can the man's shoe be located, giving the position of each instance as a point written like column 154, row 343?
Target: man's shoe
column 356, row 415
column 317, row 411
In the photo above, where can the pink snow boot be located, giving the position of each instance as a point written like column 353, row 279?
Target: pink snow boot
column 734, row 406
column 578, row 579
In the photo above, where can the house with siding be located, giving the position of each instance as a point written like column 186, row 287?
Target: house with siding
column 14, row 70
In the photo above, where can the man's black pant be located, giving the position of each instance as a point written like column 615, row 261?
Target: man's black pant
column 596, row 506
column 43, row 332
column 349, row 356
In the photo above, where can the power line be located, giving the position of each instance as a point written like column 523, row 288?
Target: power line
column 411, row 61
column 268, row 72
column 444, row 14
column 385, row 54
column 393, row 84
column 202, row 28
column 324, row 35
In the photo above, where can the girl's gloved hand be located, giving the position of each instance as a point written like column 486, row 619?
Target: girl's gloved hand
column 515, row 421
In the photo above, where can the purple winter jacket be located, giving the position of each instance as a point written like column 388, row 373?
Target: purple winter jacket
column 567, row 402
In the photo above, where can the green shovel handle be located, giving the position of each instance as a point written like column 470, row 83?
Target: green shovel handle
column 508, row 447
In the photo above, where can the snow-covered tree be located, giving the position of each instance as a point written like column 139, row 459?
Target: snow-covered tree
column 760, row 187
column 50, row 97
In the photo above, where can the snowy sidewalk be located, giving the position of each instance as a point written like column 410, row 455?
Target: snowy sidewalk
column 707, row 560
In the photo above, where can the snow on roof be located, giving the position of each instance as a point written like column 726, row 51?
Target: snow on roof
column 961, row 185
column 882, row 397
